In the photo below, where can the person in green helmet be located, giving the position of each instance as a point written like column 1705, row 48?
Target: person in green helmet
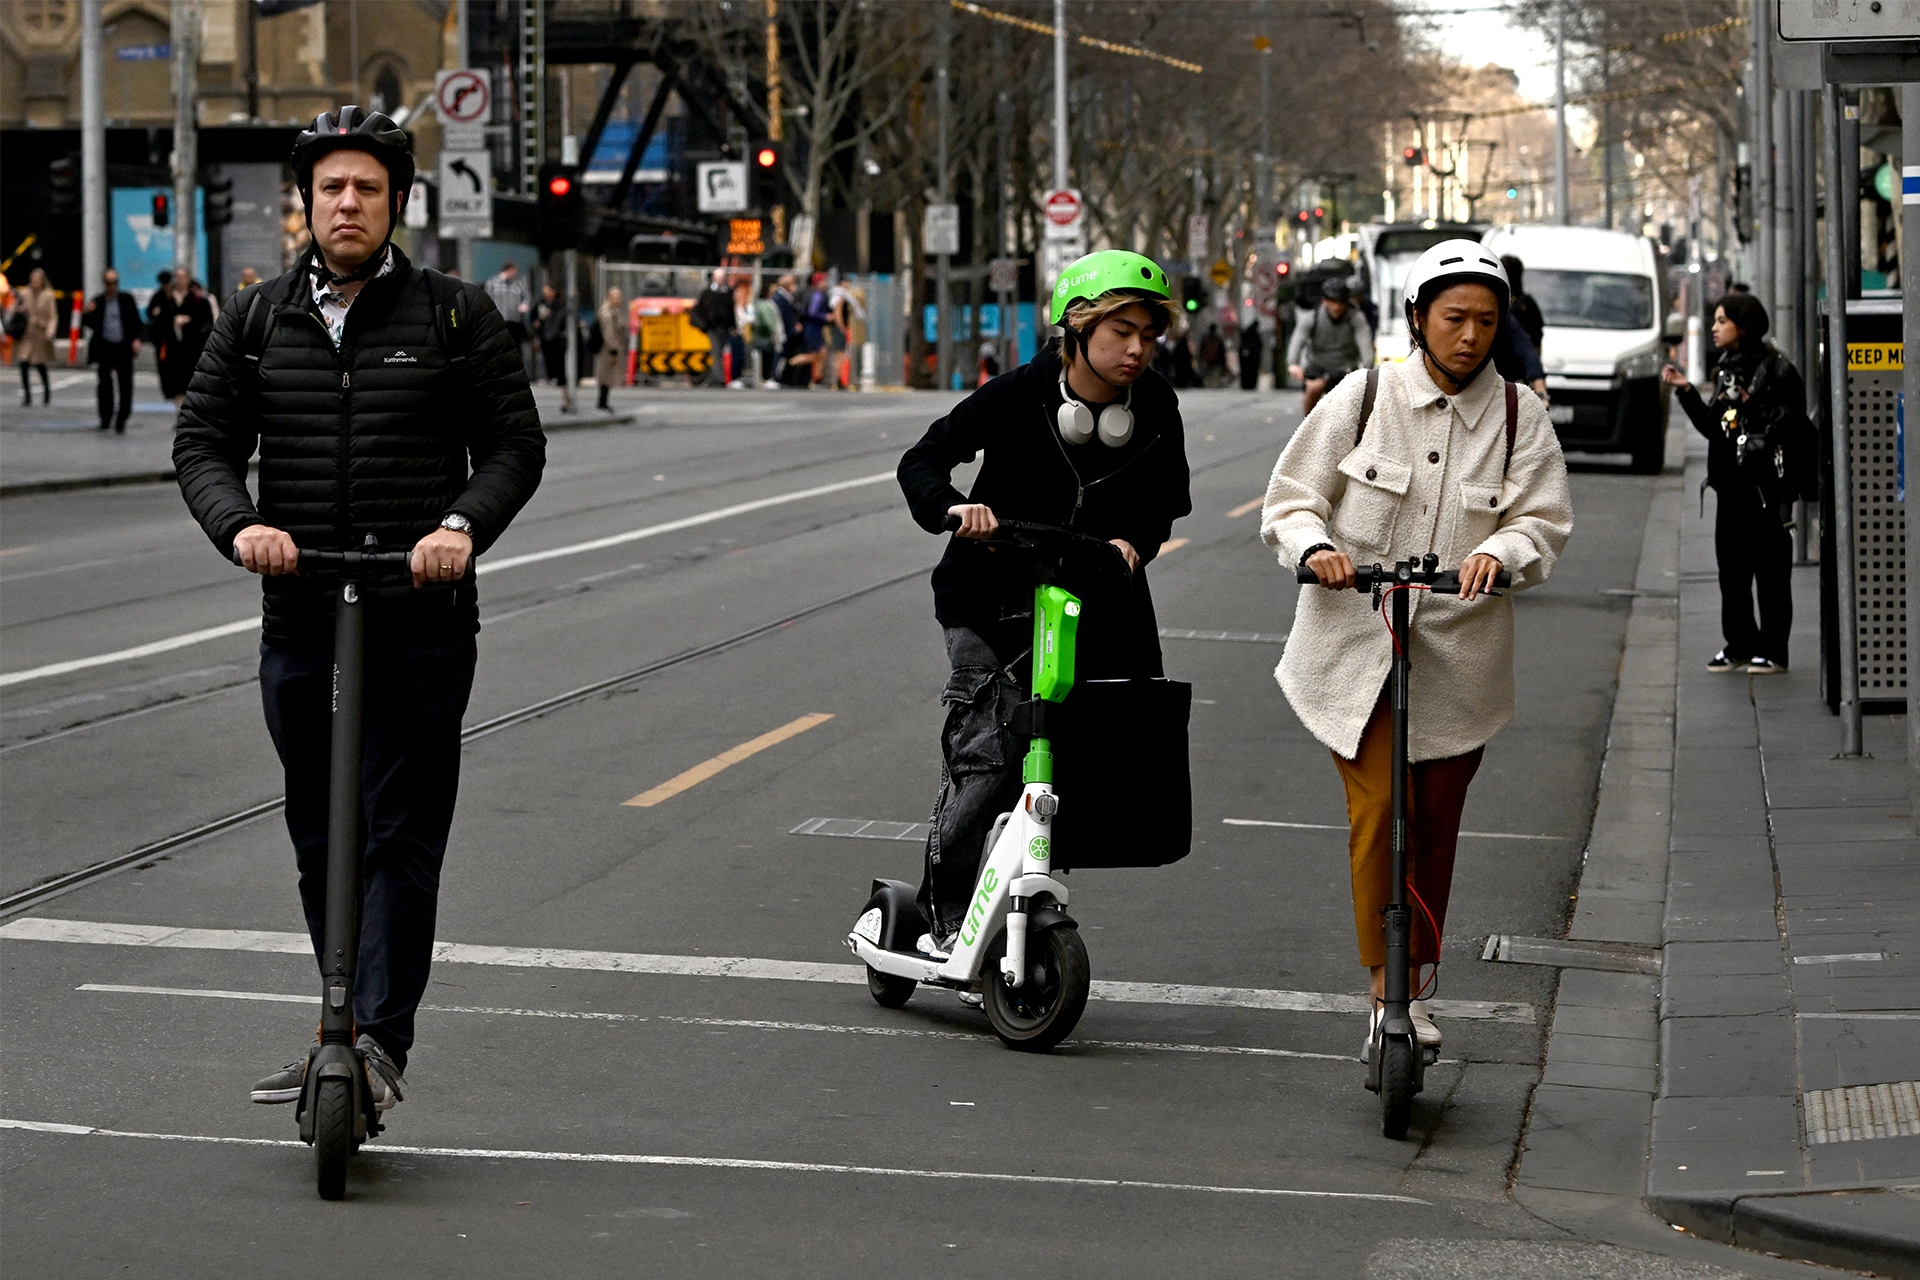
column 1085, row 436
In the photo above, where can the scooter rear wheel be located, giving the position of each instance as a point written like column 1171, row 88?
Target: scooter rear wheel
column 1043, row 1011
column 1396, row 1086
column 333, row 1135
column 889, row 991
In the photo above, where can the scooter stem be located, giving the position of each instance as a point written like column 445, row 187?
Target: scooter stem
column 342, row 930
column 1396, row 917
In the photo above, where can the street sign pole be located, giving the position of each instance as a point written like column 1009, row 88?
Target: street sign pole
column 943, row 267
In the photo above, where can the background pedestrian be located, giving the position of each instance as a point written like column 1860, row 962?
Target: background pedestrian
column 609, row 362
column 112, row 320
column 36, row 317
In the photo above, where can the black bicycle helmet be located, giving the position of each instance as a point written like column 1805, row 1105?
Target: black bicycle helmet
column 352, row 129
column 1334, row 289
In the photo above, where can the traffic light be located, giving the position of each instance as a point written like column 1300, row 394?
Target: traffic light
column 768, row 160
column 1414, row 157
column 218, row 206
column 1319, row 213
column 63, row 187
column 1283, row 270
column 1513, row 193
column 1193, row 294
column 162, row 209
column 1303, row 215
column 559, row 208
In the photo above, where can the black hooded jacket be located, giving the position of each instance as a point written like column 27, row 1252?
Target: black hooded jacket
column 1776, row 405
column 407, row 422
column 1029, row 473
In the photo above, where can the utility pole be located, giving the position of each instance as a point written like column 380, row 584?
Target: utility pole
column 93, row 147
column 1760, row 103
column 1263, row 163
column 1910, row 304
column 943, row 262
column 1003, row 153
column 1838, row 268
column 775, row 124
column 1564, row 212
column 1059, row 95
column 186, row 127
column 1606, row 128
column 253, row 63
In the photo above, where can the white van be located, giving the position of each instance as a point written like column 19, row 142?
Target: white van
column 1602, row 295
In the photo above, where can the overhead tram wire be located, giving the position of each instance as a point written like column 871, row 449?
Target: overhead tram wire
column 1091, row 42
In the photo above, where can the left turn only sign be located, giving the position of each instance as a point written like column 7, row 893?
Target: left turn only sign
column 466, row 194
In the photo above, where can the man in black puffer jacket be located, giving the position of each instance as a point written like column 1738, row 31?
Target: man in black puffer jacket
column 389, row 401
column 1092, row 442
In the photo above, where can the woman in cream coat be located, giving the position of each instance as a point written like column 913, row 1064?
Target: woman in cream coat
column 1429, row 472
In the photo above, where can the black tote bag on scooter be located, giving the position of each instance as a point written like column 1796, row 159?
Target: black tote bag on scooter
column 1120, row 768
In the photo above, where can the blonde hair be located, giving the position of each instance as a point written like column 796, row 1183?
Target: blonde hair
column 1082, row 317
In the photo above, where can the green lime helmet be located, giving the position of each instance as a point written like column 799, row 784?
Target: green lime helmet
column 1109, row 271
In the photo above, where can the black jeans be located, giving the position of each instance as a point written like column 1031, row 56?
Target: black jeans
column 1753, row 550
column 416, row 693
column 116, row 369
column 979, row 776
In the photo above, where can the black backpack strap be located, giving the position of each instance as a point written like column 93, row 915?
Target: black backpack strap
column 1366, row 406
column 256, row 326
column 1513, row 423
column 450, row 327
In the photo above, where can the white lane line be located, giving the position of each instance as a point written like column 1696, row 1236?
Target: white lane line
column 1341, row 826
column 1861, row 1017
column 720, row 1162
column 128, row 655
column 485, row 567
column 43, row 929
column 747, row 1024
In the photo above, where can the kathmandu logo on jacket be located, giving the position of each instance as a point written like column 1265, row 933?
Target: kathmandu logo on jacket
column 401, row 357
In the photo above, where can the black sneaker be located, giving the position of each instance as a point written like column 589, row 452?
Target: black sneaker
column 383, row 1075
column 283, row 1085
column 1766, row 667
column 1721, row 662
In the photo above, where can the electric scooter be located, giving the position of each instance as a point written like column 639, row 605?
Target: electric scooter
column 1396, row 1064
column 1017, row 947
column 336, row 1112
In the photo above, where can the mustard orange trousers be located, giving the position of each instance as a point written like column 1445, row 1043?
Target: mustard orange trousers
column 1434, row 802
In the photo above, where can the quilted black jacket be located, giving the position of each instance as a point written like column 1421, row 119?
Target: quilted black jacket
column 384, row 436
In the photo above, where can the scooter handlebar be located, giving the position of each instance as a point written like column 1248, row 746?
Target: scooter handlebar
column 1445, row 582
column 341, row 561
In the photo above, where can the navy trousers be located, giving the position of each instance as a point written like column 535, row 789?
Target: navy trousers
column 416, row 694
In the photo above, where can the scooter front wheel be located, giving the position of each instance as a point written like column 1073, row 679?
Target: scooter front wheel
column 1044, row 1010
column 1396, row 1086
column 333, row 1135
column 888, row 990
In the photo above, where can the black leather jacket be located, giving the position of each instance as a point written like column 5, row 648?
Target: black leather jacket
column 384, row 436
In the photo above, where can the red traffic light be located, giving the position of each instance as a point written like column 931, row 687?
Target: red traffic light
column 559, row 185
column 1414, row 156
column 1303, row 215
column 162, row 208
column 1318, row 212
column 766, row 158
column 1284, row 268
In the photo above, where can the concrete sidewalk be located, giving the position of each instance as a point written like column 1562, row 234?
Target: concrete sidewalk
column 1790, row 1003
column 1754, row 1083
column 47, row 448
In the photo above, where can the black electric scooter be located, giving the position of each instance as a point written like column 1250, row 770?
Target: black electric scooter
column 336, row 1112
column 1396, row 1065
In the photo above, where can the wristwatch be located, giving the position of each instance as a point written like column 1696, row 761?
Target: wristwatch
column 458, row 523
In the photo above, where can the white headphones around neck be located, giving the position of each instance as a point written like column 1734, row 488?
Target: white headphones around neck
column 1079, row 423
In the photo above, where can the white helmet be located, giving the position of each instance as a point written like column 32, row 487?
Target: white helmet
column 1453, row 262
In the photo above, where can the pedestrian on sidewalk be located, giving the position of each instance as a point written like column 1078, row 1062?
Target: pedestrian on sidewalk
column 609, row 360
column 113, row 321
column 509, row 294
column 180, row 321
column 712, row 314
column 36, row 316
column 550, row 319
column 1452, row 460
column 1760, row 457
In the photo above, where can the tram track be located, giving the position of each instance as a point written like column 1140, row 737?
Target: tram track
column 26, row 899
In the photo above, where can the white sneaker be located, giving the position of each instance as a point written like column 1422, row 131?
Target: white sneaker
column 934, row 948
column 1424, row 1027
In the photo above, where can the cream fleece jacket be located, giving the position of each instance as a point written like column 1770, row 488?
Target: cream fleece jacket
column 1426, row 476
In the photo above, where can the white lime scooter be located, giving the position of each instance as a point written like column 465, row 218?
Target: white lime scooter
column 1017, row 946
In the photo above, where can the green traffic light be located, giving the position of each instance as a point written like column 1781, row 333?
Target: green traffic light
column 1513, row 193
column 1193, row 304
